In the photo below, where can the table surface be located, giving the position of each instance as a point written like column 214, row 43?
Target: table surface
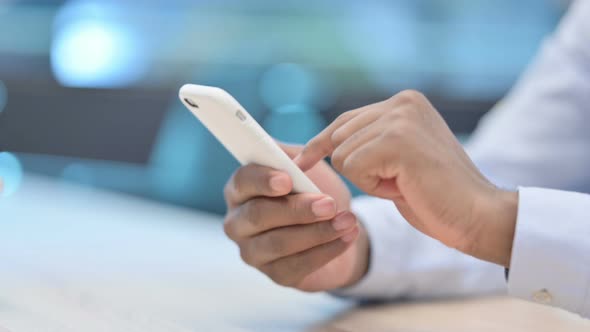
column 77, row 259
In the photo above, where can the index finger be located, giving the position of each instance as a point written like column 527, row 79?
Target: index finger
column 321, row 145
column 253, row 181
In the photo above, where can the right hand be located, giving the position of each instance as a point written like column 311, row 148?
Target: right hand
column 287, row 237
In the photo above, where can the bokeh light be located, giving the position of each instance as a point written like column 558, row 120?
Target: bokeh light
column 287, row 84
column 294, row 123
column 293, row 65
column 11, row 173
column 90, row 48
column 3, row 96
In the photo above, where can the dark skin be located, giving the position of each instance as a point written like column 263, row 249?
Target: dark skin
column 281, row 235
column 399, row 149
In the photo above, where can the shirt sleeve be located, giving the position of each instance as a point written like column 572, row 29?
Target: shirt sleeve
column 537, row 137
column 551, row 252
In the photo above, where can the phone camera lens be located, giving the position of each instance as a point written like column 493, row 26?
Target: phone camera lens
column 191, row 103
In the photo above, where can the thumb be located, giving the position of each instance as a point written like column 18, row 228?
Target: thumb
column 388, row 189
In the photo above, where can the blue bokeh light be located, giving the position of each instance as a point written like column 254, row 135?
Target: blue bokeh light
column 3, row 96
column 11, row 173
column 294, row 123
column 90, row 48
column 287, row 84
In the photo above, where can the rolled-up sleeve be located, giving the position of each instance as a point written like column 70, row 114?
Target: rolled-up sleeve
column 551, row 250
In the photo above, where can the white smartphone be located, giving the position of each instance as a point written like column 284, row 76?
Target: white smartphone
column 241, row 135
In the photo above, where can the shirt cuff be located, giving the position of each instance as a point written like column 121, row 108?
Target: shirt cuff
column 550, row 254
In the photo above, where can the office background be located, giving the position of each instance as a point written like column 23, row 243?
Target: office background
column 88, row 89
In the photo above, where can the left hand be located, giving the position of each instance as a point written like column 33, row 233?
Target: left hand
column 287, row 237
column 401, row 149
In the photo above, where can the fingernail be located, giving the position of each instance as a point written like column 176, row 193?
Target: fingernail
column 350, row 236
column 325, row 207
column 344, row 221
column 278, row 183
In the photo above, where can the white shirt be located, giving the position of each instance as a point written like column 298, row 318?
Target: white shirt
column 538, row 137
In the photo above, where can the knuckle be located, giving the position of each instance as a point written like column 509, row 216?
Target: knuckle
column 337, row 159
column 236, row 182
column 393, row 114
column 343, row 117
column 349, row 166
column 319, row 144
column 278, row 274
column 298, row 206
column 249, row 179
column 290, row 280
column 227, row 229
column 253, row 212
column 247, row 256
column 391, row 134
column 401, row 113
column 262, row 185
column 410, row 96
column 337, row 137
column 229, row 223
column 398, row 131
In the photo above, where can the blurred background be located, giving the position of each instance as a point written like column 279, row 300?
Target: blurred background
column 88, row 89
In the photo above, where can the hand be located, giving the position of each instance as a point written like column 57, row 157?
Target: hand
column 401, row 149
column 311, row 242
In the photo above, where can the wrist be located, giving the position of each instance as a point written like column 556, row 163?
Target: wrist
column 362, row 257
column 497, row 219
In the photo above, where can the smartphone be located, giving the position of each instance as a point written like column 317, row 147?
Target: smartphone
column 239, row 133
